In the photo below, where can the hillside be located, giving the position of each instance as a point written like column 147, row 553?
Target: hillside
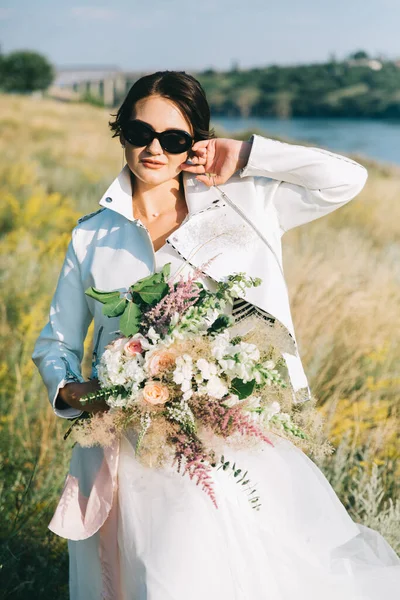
column 333, row 89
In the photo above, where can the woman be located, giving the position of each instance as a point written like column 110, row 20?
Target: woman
column 184, row 197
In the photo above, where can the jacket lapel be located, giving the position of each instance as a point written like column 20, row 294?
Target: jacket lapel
column 118, row 197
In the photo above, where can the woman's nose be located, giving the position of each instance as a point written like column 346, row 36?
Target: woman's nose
column 154, row 147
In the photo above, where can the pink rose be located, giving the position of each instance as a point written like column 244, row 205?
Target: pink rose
column 155, row 393
column 132, row 347
column 160, row 360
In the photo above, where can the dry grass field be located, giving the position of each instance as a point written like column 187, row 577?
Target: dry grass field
column 343, row 273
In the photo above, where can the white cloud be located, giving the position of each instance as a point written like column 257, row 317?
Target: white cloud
column 93, row 13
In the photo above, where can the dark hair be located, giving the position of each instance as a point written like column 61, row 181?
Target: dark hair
column 178, row 86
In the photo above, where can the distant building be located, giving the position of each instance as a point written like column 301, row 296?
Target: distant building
column 372, row 63
column 107, row 83
column 69, row 76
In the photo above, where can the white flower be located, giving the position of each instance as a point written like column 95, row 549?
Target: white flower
column 177, row 335
column 220, row 345
column 183, row 369
column 231, row 400
column 253, row 402
column 272, row 410
column 216, row 388
column 188, row 394
column 248, row 351
column 244, row 371
column 175, row 318
column 110, row 367
column 269, row 364
column 133, row 372
column 183, row 374
column 257, row 376
column 117, row 345
column 228, row 365
column 211, row 315
column 152, row 335
column 206, row 368
column 186, row 385
column 117, row 401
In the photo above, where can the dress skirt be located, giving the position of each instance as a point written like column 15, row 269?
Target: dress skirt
column 174, row 544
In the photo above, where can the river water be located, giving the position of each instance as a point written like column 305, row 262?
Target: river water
column 372, row 138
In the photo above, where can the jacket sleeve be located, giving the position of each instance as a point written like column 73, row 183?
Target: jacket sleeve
column 308, row 183
column 59, row 349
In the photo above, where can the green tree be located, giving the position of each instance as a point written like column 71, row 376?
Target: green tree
column 359, row 55
column 25, row 71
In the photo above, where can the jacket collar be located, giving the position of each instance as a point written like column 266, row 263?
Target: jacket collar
column 118, row 196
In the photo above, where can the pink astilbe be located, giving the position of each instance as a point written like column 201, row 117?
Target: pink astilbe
column 176, row 301
column 225, row 420
column 197, row 464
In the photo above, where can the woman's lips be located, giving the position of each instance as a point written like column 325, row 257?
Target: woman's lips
column 152, row 165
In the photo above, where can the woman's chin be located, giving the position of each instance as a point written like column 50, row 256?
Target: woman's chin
column 155, row 176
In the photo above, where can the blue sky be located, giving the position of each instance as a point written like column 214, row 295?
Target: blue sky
column 184, row 34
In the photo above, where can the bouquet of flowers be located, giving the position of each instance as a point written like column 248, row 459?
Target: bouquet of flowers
column 189, row 379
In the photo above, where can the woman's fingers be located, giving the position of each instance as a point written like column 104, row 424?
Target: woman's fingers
column 200, row 144
column 210, row 181
column 197, row 160
column 193, row 168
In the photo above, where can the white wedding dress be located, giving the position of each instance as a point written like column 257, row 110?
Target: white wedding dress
column 174, row 544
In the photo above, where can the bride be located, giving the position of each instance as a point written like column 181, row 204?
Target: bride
column 136, row 533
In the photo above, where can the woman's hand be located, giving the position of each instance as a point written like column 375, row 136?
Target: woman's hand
column 71, row 393
column 221, row 157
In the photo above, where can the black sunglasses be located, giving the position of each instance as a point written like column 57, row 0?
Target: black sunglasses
column 174, row 141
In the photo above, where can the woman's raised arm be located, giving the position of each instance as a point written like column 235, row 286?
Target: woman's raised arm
column 308, row 183
column 303, row 183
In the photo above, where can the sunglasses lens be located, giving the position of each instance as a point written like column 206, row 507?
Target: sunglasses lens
column 138, row 134
column 176, row 142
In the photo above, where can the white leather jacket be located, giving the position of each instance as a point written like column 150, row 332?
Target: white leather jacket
column 241, row 223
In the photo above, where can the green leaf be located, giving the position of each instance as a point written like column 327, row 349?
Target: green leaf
column 242, row 389
column 154, row 293
column 220, row 324
column 150, row 280
column 102, row 297
column 114, row 308
column 166, row 270
column 130, row 319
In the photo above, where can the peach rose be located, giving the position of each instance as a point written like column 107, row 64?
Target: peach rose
column 132, row 347
column 155, row 393
column 160, row 360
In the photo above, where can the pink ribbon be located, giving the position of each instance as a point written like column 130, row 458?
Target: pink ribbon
column 78, row 517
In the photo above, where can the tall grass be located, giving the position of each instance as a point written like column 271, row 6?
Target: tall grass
column 343, row 273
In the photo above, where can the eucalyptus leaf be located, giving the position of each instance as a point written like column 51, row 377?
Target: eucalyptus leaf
column 130, row 319
column 115, row 307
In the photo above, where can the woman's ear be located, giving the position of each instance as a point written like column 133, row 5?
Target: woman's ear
column 122, row 140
